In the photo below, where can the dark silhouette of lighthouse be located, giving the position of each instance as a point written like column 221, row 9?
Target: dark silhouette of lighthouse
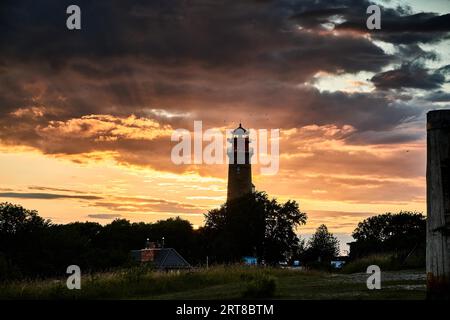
column 239, row 168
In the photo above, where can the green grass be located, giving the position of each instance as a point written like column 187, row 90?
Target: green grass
column 232, row 282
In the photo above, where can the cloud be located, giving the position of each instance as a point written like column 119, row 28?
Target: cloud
column 332, row 163
column 54, row 189
column 137, row 70
column 112, row 202
column 340, row 221
column 107, row 216
column 145, row 204
column 105, row 128
column 46, row 196
column 401, row 27
column 118, row 63
column 409, row 76
column 352, row 15
column 234, row 60
column 438, row 96
column 34, row 112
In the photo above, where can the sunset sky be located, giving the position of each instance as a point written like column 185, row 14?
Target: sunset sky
column 86, row 116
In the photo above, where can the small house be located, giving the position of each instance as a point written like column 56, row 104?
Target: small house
column 161, row 258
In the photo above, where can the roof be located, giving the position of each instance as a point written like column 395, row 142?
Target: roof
column 240, row 130
column 169, row 258
column 161, row 258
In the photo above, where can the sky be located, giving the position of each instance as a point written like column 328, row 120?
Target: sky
column 86, row 116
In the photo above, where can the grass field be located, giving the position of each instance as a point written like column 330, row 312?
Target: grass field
column 235, row 282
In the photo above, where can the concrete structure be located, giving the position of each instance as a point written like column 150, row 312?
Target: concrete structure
column 438, row 203
column 239, row 168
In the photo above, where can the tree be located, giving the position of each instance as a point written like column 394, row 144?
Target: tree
column 281, row 240
column 389, row 232
column 21, row 239
column 323, row 246
column 16, row 219
column 253, row 225
column 31, row 246
column 177, row 233
column 386, row 226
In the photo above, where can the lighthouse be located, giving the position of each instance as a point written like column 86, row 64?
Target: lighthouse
column 239, row 167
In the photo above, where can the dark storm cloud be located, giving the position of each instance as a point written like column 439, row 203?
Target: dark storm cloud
column 132, row 56
column 409, row 76
column 364, row 111
column 399, row 25
column 421, row 27
column 170, row 33
column 386, row 137
column 217, row 61
column 414, row 52
column 438, row 96
column 211, row 34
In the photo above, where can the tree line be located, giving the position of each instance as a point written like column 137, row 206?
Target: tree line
column 254, row 225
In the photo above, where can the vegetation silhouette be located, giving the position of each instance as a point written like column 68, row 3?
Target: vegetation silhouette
column 321, row 248
column 254, row 225
column 402, row 234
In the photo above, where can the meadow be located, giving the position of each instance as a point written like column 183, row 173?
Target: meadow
column 223, row 282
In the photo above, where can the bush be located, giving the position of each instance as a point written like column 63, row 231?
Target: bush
column 384, row 261
column 387, row 261
column 260, row 287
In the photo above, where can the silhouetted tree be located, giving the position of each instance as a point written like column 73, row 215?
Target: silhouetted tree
column 401, row 232
column 322, row 247
column 253, row 225
column 21, row 239
column 33, row 247
column 15, row 219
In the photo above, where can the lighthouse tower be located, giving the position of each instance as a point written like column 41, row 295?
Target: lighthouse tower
column 239, row 168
